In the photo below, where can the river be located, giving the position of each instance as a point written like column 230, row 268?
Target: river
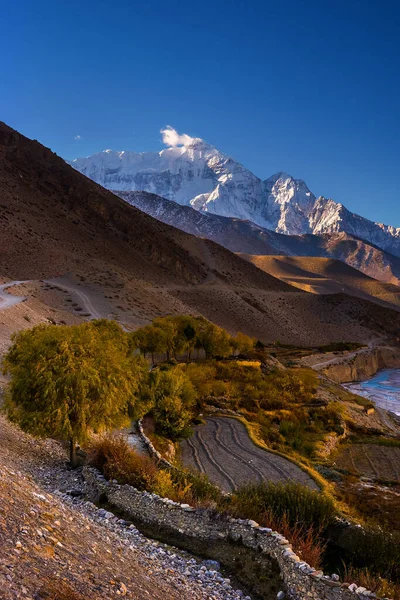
column 383, row 389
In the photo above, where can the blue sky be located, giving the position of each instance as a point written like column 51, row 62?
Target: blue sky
column 307, row 87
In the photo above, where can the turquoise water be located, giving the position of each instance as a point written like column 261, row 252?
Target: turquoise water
column 383, row 389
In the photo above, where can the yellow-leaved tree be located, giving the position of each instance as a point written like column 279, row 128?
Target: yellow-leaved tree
column 68, row 381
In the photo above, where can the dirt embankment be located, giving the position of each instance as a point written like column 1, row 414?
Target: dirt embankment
column 363, row 365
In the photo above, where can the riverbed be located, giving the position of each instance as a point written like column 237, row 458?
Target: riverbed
column 383, row 389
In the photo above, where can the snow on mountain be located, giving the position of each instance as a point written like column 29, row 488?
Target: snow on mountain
column 193, row 173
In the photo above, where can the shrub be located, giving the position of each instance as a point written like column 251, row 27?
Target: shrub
column 198, row 488
column 298, row 504
column 374, row 548
column 113, row 456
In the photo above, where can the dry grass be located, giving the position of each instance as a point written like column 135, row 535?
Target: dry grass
column 113, row 456
column 307, row 543
column 379, row 585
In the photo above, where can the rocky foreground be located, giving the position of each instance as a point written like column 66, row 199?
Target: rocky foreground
column 54, row 542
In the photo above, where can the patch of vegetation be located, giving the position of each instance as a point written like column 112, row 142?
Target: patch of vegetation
column 113, row 456
column 175, row 335
column 292, row 509
column 282, row 403
column 375, row 551
column 68, row 381
column 298, row 504
column 373, row 439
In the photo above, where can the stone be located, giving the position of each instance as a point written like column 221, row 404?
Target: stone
column 212, row 565
column 75, row 493
column 280, row 595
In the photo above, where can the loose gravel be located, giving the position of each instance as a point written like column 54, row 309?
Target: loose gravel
column 48, row 530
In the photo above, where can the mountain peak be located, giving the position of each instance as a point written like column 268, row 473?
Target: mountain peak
column 192, row 172
column 280, row 175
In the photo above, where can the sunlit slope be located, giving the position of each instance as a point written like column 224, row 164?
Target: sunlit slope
column 326, row 276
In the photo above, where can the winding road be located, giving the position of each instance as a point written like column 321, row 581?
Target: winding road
column 84, row 298
column 222, row 449
column 6, row 299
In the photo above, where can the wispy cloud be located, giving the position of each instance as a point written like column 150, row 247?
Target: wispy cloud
column 171, row 137
column 78, row 137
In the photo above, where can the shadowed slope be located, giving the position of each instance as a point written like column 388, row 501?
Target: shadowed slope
column 248, row 238
column 54, row 221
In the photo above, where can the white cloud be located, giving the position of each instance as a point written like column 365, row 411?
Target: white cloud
column 78, row 137
column 171, row 137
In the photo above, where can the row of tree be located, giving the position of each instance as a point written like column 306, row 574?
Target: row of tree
column 176, row 335
column 69, row 381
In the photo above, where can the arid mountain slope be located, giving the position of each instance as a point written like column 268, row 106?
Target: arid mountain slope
column 247, row 237
column 55, row 222
column 326, row 276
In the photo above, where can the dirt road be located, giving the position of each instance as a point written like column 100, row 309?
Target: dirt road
column 223, row 450
column 7, row 299
column 83, row 298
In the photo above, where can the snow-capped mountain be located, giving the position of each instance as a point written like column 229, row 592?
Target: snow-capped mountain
column 192, row 172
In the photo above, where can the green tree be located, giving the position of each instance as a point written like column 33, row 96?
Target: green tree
column 169, row 331
column 187, row 334
column 173, row 402
column 241, row 343
column 68, row 381
column 214, row 340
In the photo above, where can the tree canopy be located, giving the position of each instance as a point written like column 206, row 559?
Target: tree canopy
column 176, row 335
column 67, row 381
column 173, row 399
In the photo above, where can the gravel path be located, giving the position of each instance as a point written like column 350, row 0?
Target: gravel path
column 222, row 449
column 49, row 534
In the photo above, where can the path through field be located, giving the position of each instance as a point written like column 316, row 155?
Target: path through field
column 222, row 449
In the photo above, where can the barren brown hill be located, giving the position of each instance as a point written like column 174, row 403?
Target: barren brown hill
column 121, row 263
column 248, row 238
column 327, row 276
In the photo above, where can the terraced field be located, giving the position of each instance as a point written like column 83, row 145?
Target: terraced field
column 222, row 449
column 371, row 460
